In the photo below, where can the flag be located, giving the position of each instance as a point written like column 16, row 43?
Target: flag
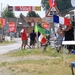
column 47, row 32
column 52, row 3
column 36, row 28
column 41, row 29
column 61, row 20
column 42, row 39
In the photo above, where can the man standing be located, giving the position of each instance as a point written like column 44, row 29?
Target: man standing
column 60, row 37
column 69, row 36
column 23, row 37
column 32, row 38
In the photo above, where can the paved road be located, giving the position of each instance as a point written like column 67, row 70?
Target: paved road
column 7, row 48
column 15, row 46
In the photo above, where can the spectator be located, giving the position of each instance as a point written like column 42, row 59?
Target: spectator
column 59, row 39
column 39, row 43
column 69, row 36
column 32, row 38
column 39, row 34
column 23, row 37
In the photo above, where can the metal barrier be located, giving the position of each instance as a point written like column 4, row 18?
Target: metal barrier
column 65, row 43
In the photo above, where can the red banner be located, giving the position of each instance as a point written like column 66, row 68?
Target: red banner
column 23, row 8
column 3, row 21
column 12, row 27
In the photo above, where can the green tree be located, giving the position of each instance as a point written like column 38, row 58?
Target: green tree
column 32, row 14
column 62, row 5
column 7, row 13
column 44, row 4
column 21, row 14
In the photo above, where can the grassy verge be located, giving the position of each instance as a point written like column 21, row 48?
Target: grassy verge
column 38, row 66
column 49, row 52
column 7, row 42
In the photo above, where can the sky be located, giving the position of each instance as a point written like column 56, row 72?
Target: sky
column 73, row 2
column 25, row 3
column 22, row 3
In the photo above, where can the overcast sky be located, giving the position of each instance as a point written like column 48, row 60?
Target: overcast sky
column 73, row 2
column 24, row 3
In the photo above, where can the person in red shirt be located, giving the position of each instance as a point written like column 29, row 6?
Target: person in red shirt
column 23, row 37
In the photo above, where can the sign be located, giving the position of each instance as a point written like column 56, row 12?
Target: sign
column 50, row 13
column 2, row 22
column 10, row 8
column 23, row 8
column 37, row 8
column 27, row 8
column 12, row 27
column 52, row 3
column 49, row 19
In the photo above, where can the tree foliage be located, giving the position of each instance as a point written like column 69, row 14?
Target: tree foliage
column 45, row 4
column 61, row 4
column 21, row 14
column 7, row 13
column 32, row 14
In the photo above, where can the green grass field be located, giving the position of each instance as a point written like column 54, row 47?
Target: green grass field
column 37, row 62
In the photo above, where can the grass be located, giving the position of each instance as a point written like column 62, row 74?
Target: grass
column 6, row 42
column 38, row 67
column 49, row 52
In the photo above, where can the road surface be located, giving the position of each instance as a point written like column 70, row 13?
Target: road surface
column 6, row 48
column 15, row 46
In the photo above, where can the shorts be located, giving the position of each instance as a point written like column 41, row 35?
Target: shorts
column 59, row 40
column 24, row 42
column 32, row 42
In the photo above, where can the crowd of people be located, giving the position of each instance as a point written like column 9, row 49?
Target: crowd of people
column 63, row 32
column 24, row 38
column 67, row 33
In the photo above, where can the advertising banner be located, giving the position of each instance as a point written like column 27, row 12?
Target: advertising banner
column 27, row 8
column 37, row 8
column 2, row 22
column 23, row 8
column 12, row 27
